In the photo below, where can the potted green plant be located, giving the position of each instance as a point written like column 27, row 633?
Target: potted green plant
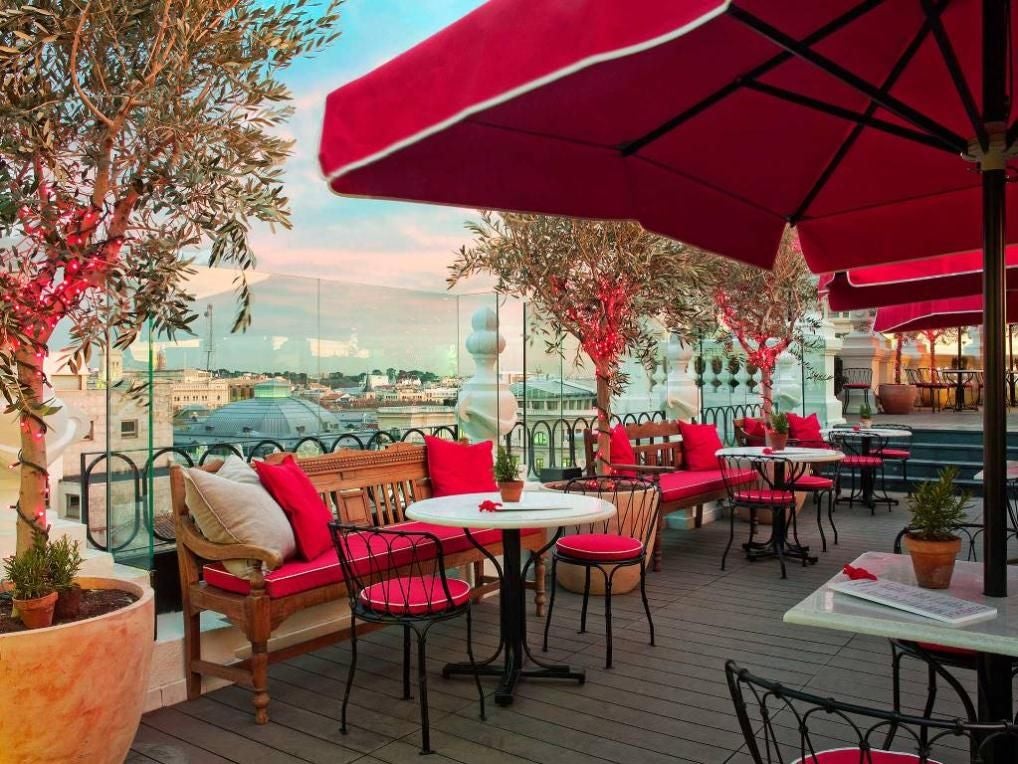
column 29, row 582
column 936, row 511
column 64, row 558
column 896, row 398
column 507, row 475
column 865, row 415
column 776, row 434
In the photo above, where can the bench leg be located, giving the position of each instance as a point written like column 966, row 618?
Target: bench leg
column 192, row 648
column 657, row 541
column 698, row 519
column 539, row 585
column 260, row 680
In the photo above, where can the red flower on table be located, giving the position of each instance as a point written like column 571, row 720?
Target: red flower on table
column 489, row 506
column 858, row 573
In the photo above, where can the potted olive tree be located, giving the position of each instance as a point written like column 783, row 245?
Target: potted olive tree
column 507, row 475
column 64, row 558
column 897, row 398
column 776, row 434
column 30, row 585
column 936, row 512
column 865, row 415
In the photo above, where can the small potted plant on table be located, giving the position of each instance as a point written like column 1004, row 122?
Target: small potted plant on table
column 32, row 590
column 936, row 512
column 777, row 432
column 64, row 558
column 865, row 415
column 507, row 475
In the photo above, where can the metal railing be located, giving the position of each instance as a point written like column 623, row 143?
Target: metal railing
column 723, row 417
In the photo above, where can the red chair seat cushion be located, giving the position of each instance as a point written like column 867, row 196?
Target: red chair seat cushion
column 414, row 595
column 764, row 496
column 856, row 386
column 700, row 442
column 854, row 756
column 894, row 453
column 599, row 547
column 857, row 460
column 622, row 451
column 932, row 647
column 457, row 468
column 813, row 483
column 685, row 484
column 296, row 494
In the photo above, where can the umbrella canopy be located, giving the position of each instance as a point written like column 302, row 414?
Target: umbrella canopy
column 710, row 121
column 928, row 278
column 948, row 313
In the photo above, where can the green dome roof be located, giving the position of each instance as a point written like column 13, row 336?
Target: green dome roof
column 270, row 415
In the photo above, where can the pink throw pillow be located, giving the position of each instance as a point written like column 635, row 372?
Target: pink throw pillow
column 457, row 468
column 622, row 451
column 294, row 492
column 699, row 442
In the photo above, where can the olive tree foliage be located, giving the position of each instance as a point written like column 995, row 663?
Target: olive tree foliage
column 597, row 281
column 131, row 132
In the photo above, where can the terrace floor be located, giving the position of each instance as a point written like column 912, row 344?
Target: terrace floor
column 667, row 703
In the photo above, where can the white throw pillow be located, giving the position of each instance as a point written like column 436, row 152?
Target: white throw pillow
column 231, row 512
column 236, row 469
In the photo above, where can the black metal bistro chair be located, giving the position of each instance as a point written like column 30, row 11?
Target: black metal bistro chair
column 864, row 468
column 782, row 725
column 820, row 481
column 898, row 450
column 609, row 546
column 398, row 578
column 761, row 484
column 856, row 379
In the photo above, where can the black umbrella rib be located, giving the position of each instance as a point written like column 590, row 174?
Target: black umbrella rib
column 957, row 76
column 892, row 77
column 855, row 82
column 631, row 147
column 860, row 118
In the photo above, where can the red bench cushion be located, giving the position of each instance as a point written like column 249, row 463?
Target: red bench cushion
column 699, row 444
column 687, row 484
column 416, row 595
column 600, row 547
column 457, row 468
column 854, row 756
column 293, row 491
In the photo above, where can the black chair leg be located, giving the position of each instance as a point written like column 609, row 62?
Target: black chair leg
column 406, row 663
column 473, row 665
column 731, row 535
column 586, row 600
column 607, row 617
column 551, row 603
column 646, row 602
column 817, row 499
column 896, row 656
column 350, row 672
column 830, row 515
column 422, row 691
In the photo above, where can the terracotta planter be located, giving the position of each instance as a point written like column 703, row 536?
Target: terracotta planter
column 68, row 603
column 36, row 613
column 897, row 399
column 571, row 577
column 776, row 440
column 511, row 490
column 75, row 692
column 933, row 561
column 866, row 423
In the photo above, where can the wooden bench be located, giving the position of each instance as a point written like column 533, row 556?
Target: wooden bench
column 362, row 487
column 658, row 450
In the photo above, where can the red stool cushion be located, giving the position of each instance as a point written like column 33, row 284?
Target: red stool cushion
column 813, row 483
column 417, row 595
column 764, row 496
column 854, row 756
column 894, row 453
column 599, row 547
column 862, row 461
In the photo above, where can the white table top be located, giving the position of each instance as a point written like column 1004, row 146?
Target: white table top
column 792, row 454
column 842, row 612
column 1011, row 474
column 868, row 432
column 536, row 509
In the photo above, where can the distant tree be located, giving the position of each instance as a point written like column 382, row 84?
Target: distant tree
column 128, row 132
column 391, row 374
column 597, row 281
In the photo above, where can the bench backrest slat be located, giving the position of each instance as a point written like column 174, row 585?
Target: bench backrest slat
column 658, row 444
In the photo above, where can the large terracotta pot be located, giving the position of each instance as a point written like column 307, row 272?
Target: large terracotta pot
column 75, row 692
column 933, row 561
column 571, row 577
column 897, row 399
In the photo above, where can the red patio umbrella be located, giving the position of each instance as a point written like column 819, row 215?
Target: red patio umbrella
column 948, row 313
column 718, row 122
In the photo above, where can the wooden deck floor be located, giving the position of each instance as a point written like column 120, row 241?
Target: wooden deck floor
column 667, row 703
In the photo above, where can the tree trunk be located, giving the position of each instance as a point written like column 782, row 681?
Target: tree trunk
column 603, row 405
column 34, row 478
column 767, row 390
column 898, row 342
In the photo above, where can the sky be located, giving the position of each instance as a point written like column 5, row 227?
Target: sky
column 375, row 242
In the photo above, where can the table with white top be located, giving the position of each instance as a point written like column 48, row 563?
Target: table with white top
column 996, row 639
column 536, row 509
column 866, row 436
column 961, row 378
column 800, row 459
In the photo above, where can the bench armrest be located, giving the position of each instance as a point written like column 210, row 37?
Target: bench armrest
column 193, row 541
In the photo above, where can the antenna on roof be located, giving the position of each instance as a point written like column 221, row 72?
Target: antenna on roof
column 210, row 342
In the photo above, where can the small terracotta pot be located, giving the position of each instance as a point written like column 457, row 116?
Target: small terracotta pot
column 897, row 399
column 68, row 603
column 36, row 613
column 511, row 490
column 866, row 423
column 933, row 561
column 776, row 440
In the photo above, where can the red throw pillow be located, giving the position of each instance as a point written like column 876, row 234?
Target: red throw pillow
column 293, row 491
column 699, row 442
column 805, row 429
column 459, row 468
column 754, row 428
column 622, row 451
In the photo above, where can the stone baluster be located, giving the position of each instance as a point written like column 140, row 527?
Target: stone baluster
column 485, row 409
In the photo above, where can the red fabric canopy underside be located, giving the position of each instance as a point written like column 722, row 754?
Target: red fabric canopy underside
column 938, row 314
column 516, row 110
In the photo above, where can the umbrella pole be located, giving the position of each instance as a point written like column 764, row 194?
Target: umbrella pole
column 995, row 694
